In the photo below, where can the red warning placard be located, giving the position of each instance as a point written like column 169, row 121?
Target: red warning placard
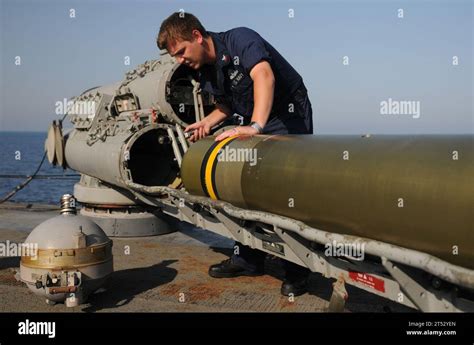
column 367, row 279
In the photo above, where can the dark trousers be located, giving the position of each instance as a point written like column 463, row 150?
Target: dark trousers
column 254, row 260
column 297, row 121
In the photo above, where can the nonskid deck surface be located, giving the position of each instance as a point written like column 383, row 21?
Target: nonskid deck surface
column 168, row 273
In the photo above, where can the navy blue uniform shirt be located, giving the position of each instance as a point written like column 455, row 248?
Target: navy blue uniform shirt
column 237, row 52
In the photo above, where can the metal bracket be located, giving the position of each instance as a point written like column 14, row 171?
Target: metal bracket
column 308, row 257
column 174, row 144
column 182, row 139
column 197, row 97
column 239, row 233
column 422, row 297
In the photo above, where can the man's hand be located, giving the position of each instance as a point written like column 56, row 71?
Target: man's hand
column 241, row 130
column 201, row 129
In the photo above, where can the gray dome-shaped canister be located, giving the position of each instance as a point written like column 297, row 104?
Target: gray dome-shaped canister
column 60, row 231
column 71, row 257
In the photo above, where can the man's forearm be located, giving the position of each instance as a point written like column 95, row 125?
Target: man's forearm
column 219, row 114
column 263, row 88
column 263, row 106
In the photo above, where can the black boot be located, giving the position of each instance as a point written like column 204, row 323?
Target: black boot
column 295, row 287
column 296, row 279
column 226, row 269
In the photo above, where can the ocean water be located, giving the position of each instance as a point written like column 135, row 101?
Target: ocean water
column 20, row 154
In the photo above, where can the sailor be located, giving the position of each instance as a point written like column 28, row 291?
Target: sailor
column 249, row 77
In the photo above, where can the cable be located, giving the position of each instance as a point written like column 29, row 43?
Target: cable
column 45, row 177
column 24, row 183
column 29, row 178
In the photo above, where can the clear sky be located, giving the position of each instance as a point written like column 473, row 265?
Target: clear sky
column 402, row 59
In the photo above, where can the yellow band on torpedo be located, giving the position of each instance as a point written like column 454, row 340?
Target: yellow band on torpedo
column 209, row 165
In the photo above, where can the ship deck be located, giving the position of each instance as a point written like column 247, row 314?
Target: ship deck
column 160, row 270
